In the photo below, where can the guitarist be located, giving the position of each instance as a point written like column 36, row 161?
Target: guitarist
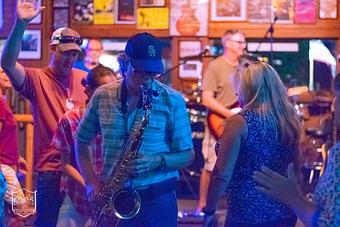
column 218, row 96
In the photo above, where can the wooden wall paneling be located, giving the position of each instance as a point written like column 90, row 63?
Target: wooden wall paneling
column 27, row 119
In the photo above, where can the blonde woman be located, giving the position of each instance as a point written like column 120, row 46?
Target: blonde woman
column 325, row 209
column 266, row 132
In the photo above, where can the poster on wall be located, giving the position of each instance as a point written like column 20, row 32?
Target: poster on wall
column 103, row 12
column 189, row 18
column 328, row 9
column 259, row 11
column 83, row 11
column 125, row 12
column 228, row 10
column 283, row 11
column 59, row 18
column 153, row 18
column 305, row 11
column 1, row 15
column 152, row 3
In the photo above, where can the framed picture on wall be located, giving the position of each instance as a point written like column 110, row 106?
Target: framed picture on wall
column 283, row 10
column 305, row 11
column 152, row 3
column 189, row 51
column 60, row 3
column 60, row 18
column 125, row 12
column 328, row 9
column 224, row 10
column 191, row 69
column 189, row 48
column 82, row 12
column 1, row 15
column 31, row 45
column 37, row 19
column 259, row 11
column 189, row 18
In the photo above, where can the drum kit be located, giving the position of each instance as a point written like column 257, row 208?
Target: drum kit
column 315, row 112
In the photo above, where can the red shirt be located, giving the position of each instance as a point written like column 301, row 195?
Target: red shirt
column 8, row 135
column 48, row 98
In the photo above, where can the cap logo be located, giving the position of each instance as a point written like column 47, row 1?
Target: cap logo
column 151, row 51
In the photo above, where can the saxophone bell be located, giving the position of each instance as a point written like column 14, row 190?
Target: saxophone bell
column 131, row 200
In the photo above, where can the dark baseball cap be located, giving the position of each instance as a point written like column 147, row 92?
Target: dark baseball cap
column 145, row 53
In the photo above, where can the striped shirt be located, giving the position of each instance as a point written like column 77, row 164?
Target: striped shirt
column 168, row 129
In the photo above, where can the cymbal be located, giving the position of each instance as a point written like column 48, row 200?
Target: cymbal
column 312, row 97
column 324, row 99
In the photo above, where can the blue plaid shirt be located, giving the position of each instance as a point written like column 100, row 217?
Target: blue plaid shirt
column 168, row 129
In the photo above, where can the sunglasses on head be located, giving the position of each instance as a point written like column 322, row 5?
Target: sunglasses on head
column 69, row 39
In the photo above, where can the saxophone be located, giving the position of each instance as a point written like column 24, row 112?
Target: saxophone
column 117, row 198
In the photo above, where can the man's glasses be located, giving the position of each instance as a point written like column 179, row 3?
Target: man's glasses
column 69, row 39
column 238, row 41
column 147, row 75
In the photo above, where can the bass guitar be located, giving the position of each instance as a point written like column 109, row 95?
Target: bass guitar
column 215, row 121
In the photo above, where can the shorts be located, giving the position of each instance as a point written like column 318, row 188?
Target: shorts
column 208, row 150
column 13, row 185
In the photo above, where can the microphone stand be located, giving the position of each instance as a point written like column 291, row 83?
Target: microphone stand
column 271, row 40
column 184, row 60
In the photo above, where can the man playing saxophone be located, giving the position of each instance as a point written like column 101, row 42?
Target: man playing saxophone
column 116, row 111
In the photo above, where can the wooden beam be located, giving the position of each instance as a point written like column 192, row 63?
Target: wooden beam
column 29, row 157
column 26, row 118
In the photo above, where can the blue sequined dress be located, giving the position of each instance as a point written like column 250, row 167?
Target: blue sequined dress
column 262, row 147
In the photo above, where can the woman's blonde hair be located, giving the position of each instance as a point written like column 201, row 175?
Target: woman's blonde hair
column 261, row 89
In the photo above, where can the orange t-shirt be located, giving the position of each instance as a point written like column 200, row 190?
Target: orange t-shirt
column 48, row 103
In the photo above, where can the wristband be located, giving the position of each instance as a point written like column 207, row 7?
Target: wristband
column 162, row 166
column 208, row 212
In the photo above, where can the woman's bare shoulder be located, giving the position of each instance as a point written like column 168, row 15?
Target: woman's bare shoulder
column 237, row 124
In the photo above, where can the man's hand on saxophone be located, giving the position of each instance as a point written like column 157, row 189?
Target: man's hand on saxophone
column 92, row 190
column 144, row 164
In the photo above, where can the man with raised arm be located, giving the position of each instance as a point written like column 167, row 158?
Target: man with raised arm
column 51, row 90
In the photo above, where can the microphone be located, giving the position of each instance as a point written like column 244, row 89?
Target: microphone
column 203, row 54
column 205, row 51
column 275, row 19
column 253, row 57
